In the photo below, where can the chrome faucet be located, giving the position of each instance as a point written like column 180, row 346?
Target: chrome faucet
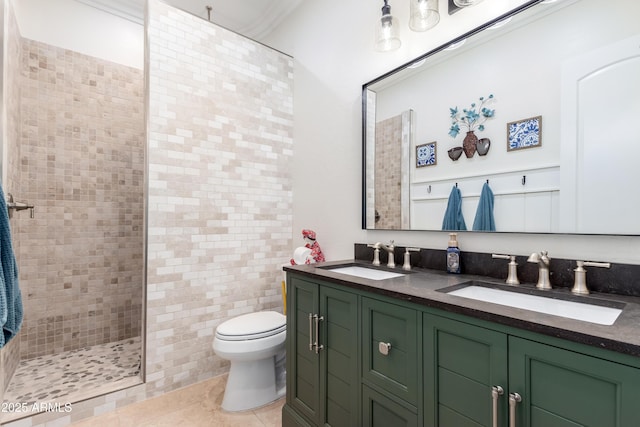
column 391, row 263
column 580, row 282
column 543, row 269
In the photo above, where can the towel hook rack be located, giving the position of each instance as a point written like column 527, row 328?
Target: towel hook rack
column 18, row 206
column 524, row 179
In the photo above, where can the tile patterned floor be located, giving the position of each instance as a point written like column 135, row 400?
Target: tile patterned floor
column 194, row 406
column 75, row 375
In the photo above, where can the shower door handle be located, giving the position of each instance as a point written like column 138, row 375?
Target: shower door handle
column 317, row 344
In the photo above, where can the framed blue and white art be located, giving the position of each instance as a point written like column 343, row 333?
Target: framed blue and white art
column 526, row 133
column 426, row 154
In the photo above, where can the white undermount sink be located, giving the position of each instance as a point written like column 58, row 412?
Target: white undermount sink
column 365, row 273
column 570, row 309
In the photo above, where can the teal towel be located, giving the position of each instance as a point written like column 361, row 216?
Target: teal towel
column 10, row 298
column 453, row 219
column 484, row 220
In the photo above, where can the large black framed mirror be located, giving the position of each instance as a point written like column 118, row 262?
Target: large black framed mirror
column 571, row 65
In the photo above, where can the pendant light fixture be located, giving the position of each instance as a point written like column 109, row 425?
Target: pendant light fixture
column 387, row 38
column 423, row 14
column 466, row 3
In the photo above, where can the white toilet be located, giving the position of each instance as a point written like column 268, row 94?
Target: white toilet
column 254, row 344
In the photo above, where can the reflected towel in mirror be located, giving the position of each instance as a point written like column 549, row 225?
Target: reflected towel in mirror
column 484, row 220
column 453, row 219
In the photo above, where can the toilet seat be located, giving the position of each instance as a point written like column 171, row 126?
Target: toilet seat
column 252, row 326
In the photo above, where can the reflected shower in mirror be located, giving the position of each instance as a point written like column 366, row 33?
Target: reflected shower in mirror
column 570, row 65
column 392, row 145
column 75, row 149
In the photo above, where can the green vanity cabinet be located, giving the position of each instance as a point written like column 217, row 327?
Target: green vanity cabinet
column 390, row 349
column 462, row 363
column 391, row 363
column 356, row 358
column 562, row 388
column 548, row 386
column 381, row 411
column 322, row 355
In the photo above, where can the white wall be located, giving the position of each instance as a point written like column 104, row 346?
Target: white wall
column 81, row 28
column 332, row 43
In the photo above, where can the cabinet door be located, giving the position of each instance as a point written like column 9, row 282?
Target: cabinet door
column 390, row 348
column 322, row 384
column 380, row 411
column 340, row 382
column 303, row 364
column 562, row 388
column 462, row 363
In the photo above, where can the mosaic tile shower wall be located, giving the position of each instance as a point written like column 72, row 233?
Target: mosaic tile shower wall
column 82, row 167
column 388, row 156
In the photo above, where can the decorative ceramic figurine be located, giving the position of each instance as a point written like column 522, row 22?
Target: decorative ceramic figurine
column 312, row 254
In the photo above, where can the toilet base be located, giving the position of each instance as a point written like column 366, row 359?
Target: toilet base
column 252, row 384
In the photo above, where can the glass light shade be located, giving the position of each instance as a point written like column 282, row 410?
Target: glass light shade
column 423, row 15
column 387, row 37
column 465, row 3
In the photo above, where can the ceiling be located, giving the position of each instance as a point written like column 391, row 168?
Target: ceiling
column 252, row 18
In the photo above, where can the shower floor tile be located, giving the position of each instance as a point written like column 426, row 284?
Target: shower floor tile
column 75, row 375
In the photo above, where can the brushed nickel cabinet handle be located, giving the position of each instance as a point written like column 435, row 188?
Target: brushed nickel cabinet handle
column 384, row 348
column 310, row 332
column 317, row 344
column 496, row 392
column 514, row 399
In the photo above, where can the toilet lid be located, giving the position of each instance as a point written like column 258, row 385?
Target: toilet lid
column 252, row 326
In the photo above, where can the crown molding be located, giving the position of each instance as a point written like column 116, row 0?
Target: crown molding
column 257, row 28
column 131, row 10
column 273, row 17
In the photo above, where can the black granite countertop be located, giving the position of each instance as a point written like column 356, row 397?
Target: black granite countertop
column 424, row 287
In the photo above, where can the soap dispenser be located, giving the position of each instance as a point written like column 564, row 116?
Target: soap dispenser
column 453, row 255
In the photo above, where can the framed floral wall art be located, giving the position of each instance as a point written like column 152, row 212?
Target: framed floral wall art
column 426, row 154
column 526, row 133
